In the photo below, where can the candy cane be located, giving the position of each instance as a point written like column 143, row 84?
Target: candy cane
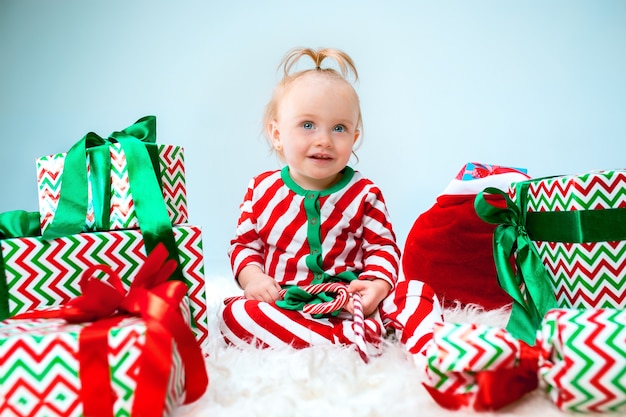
column 341, row 299
column 328, row 307
column 359, row 326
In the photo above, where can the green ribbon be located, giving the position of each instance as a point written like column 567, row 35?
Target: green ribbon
column 138, row 143
column 577, row 226
column 511, row 239
column 572, row 226
column 17, row 223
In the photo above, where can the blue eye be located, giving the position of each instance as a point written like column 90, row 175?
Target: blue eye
column 307, row 125
column 340, row 128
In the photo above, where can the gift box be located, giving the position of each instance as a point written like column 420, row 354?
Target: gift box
column 567, row 236
column 578, row 226
column 40, row 373
column 111, row 190
column 41, row 272
column 462, row 364
column 474, row 171
column 110, row 351
column 578, row 360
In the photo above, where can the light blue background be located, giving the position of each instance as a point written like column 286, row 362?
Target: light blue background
column 535, row 84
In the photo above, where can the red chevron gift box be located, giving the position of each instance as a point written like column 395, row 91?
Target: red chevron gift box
column 567, row 235
column 42, row 272
column 578, row 360
column 107, row 352
column 109, row 186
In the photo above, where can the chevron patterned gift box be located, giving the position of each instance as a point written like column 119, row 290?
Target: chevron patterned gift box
column 109, row 351
column 579, row 359
column 578, row 227
column 122, row 214
column 560, row 242
column 584, row 359
column 40, row 373
column 45, row 272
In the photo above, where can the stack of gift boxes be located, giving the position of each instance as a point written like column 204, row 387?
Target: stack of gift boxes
column 39, row 374
column 560, row 253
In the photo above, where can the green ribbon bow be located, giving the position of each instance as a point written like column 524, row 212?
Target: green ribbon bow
column 138, row 143
column 511, row 239
column 71, row 209
column 295, row 298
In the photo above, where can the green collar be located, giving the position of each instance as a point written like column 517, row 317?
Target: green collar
column 348, row 173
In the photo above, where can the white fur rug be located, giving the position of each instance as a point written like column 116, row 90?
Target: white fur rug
column 328, row 381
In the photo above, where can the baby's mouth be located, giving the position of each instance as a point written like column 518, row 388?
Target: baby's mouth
column 321, row 156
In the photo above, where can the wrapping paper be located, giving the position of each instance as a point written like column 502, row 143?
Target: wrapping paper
column 579, row 360
column 42, row 272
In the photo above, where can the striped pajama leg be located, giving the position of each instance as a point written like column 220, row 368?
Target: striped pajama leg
column 250, row 322
column 412, row 309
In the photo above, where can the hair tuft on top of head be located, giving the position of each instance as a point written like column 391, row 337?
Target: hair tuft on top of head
column 344, row 62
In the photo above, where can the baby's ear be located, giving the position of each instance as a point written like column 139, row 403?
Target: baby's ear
column 357, row 133
column 272, row 128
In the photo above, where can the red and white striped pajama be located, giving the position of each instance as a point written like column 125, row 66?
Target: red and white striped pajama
column 302, row 237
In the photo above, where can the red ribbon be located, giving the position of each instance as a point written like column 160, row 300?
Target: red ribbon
column 157, row 301
column 496, row 388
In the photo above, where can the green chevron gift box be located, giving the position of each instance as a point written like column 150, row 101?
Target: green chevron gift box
column 110, row 351
column 567, row 235
column 105, row 174
column 39, row 272
column 578, row 360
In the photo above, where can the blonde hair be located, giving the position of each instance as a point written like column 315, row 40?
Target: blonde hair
column 344, row 63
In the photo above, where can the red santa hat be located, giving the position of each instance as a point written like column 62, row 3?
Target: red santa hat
column 450, row 248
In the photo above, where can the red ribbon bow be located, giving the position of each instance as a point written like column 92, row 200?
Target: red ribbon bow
column 157, row 301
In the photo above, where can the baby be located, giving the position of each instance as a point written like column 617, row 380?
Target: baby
column 317, row 221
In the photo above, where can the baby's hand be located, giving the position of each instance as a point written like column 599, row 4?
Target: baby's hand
column 372, row 293
column 257, row 285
